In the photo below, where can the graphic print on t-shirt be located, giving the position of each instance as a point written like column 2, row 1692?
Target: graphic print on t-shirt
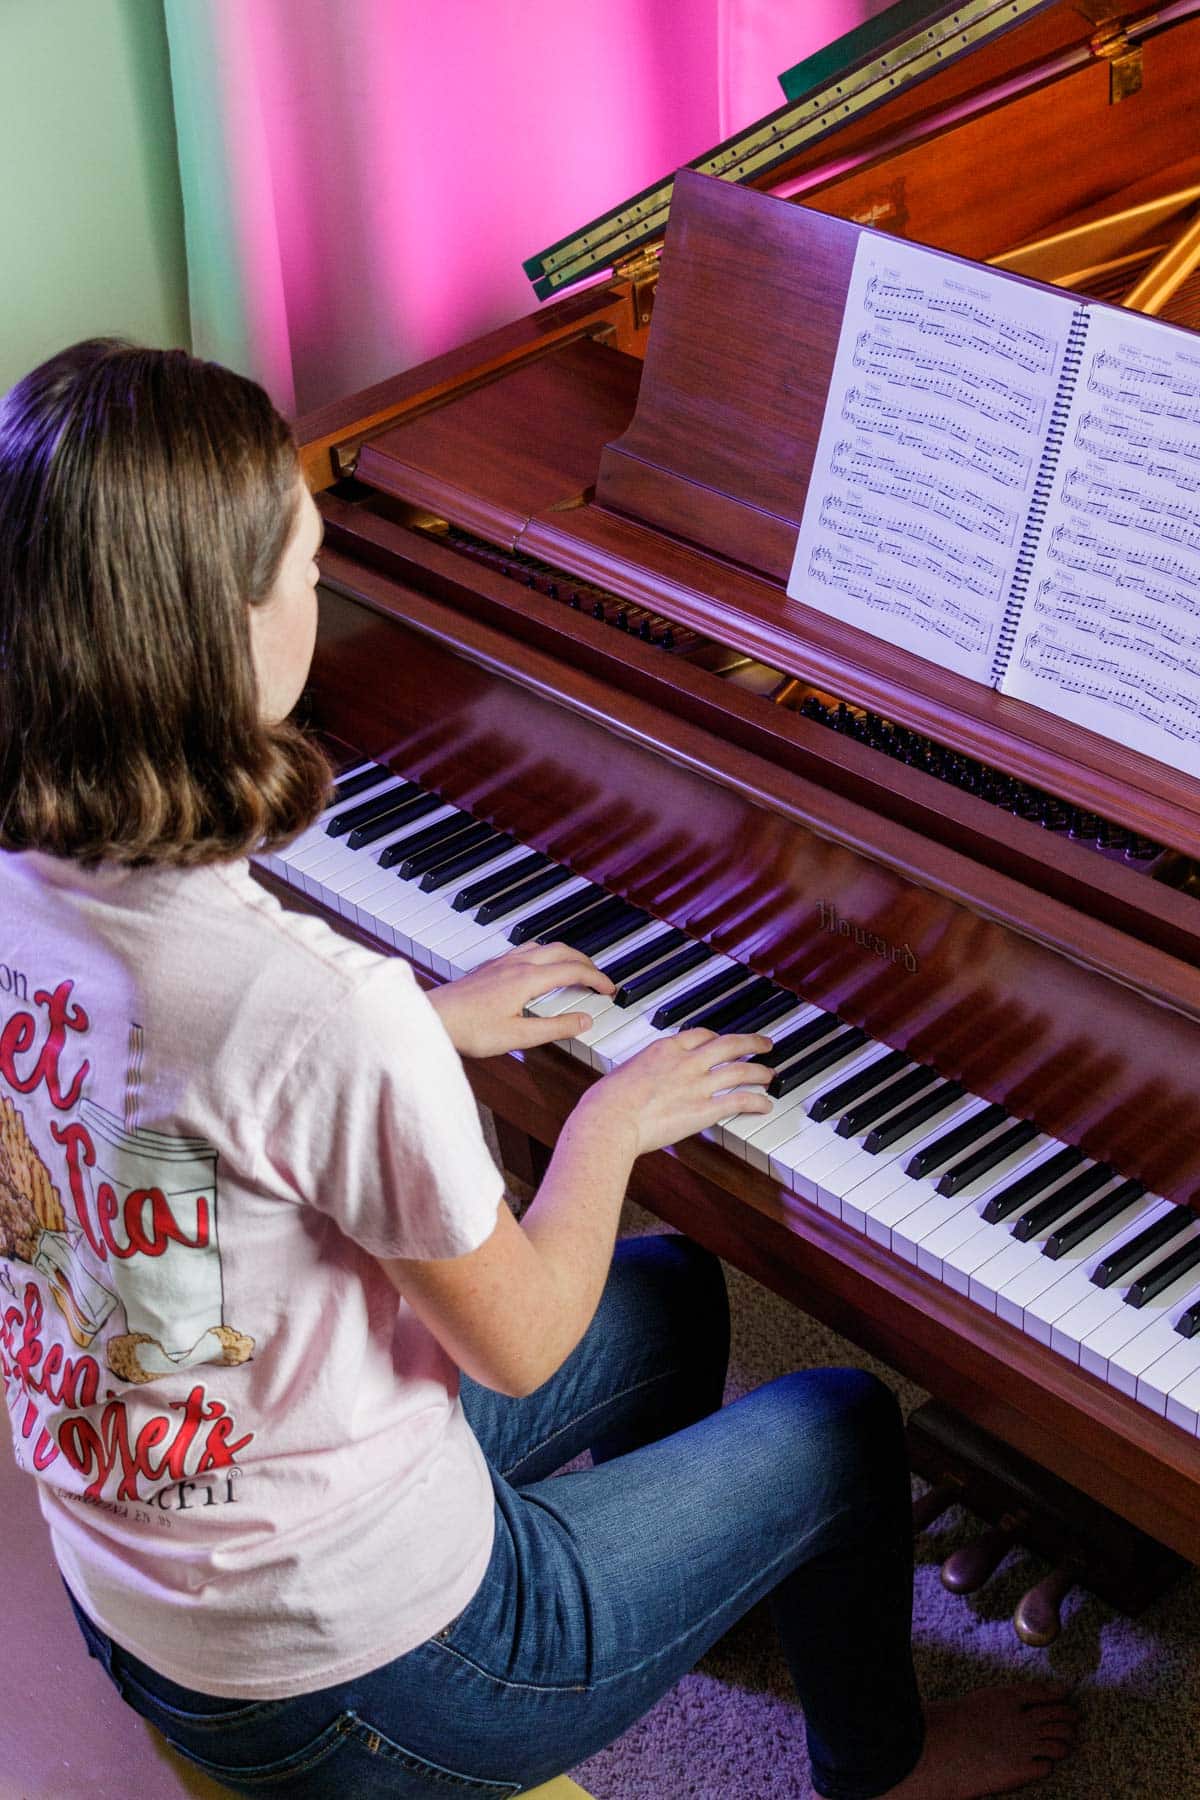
column 120, row 1224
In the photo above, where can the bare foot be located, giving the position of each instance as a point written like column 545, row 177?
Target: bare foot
column 990, row 1742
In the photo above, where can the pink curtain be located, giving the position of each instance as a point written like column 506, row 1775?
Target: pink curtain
column 362, row 178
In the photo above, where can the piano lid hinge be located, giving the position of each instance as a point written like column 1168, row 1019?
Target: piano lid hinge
column 1110, row 43
column 641, row 271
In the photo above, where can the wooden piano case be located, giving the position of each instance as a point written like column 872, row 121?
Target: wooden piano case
column 1056, row 981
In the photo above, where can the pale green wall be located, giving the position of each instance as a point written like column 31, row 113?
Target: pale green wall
column 91, row 223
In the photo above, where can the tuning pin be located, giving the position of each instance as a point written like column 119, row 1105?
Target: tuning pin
column 968, row 1569
column 1037, row 1620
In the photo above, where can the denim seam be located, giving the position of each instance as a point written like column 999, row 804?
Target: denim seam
column 622, row 1674
column 578, row 1418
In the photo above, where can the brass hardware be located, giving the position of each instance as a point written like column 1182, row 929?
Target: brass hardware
column 344, row 459
column 1167, row 272
column 1110, row 44
column 641, row 271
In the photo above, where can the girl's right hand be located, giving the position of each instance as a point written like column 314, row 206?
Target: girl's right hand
column 679, row 1086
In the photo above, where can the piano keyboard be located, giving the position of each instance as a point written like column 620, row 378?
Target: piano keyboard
column 1062, row 1248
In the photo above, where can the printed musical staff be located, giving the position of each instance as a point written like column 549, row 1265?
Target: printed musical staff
column 1111, row 633
column 929, row 452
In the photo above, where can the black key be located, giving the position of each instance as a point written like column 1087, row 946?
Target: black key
column 1188, row 1323
column 861, row 1117
column 649, row 982
column 766, row 1013
column 488, row 886
column 1143, row 1245
column 513, row 897
column 407, row 813
column 349, row 785
column 793, row 1042
column 844, row 1093
column 1164, row 1273
column 959, row 1137
column 602, row 937
column 695, row 999
column 613, row 915
column 1049, row 1211
column 899, row 1124
column 823, row 1057
column 354, row 816
column 431, row 838
column 466, row 860
column 548, row 918
column 1092, row 1219
column 1029, row 1186
column 721, row 1016
column 634, row 961
column 453, row 844
column 972, row 1167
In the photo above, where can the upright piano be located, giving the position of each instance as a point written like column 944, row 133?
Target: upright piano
column 571, row 692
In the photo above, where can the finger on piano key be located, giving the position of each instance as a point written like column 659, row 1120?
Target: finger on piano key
column 495, row 941
column 739, row 1131
column 637, row 1029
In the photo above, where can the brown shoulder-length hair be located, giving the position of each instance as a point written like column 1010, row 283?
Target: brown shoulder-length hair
column 146, row 499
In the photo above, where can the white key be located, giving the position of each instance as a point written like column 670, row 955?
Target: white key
column 1183, row 1405
column 1157, row 1336
column 1072, row 1329
column 888, row 1193
column 639, row 1032
column 1075, row 1281
column 1128, row 1322
column 946, row 1238
column 785, row 1154
column 991, row 1281
column 1158, row 1382
column 924, row 1220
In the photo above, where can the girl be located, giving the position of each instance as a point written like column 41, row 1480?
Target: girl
column 291, row 1378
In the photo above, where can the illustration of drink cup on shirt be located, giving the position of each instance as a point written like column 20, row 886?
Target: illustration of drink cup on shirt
column 171, row 1289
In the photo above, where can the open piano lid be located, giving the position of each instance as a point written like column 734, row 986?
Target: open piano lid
column 904, row 70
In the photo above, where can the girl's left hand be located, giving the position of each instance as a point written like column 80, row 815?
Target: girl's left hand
column 483, row 1012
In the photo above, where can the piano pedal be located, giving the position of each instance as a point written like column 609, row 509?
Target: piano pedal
column 1024, row 1505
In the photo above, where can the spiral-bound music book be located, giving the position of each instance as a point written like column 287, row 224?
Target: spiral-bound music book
column 1007, row 483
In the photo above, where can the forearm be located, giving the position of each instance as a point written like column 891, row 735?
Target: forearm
column 572, row 1223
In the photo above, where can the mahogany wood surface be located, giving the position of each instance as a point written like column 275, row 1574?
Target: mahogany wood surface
column 1048, row 862
column 1101, row 1442
column 1034, row 164
column 1028, row 1001
column 1069, row 993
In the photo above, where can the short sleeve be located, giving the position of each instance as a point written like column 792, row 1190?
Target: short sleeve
column 376, row 1125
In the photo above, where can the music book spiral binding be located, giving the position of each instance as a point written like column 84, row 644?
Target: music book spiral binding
column 1042, row 489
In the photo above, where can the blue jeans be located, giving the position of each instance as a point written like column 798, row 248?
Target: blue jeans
column 605, row 1586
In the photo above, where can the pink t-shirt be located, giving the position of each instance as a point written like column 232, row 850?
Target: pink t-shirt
column 214, row 1116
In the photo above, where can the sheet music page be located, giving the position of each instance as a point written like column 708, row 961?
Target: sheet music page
column 942, row 391
column 1110, row 633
